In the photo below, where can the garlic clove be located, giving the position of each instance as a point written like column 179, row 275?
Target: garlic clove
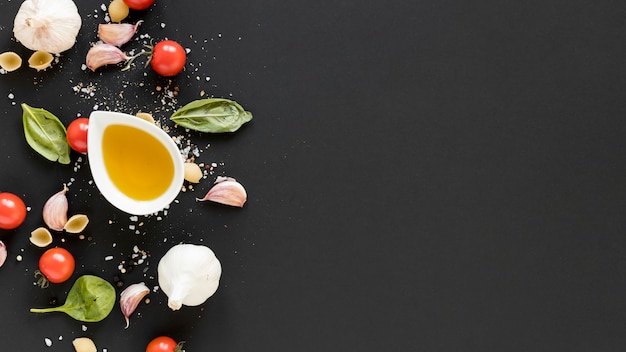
column 226, row 191
column 193, row 173
column 145, row 116
column 130, row 298
column 3, row 253
column 84, row 344
column 55, row 210
column 104, row 54
column 117, row 33
column 51, row 26
column 10, row 61
column 76, row 223
column 40, row 60
column 41, row 237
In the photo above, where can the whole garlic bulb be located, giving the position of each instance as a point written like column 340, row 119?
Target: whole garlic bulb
column 188, row 274
column 47, row 25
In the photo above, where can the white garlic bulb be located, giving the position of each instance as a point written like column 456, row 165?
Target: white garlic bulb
column 47, row 25
column 188, row 274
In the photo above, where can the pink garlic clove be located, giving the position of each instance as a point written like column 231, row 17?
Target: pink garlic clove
column 130, row 298
column 104, row 54
column 117, row 33
column 226, row 191
column 55, row 210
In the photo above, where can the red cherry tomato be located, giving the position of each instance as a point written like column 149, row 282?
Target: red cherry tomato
column 12, row 211
column 168, row 58
column 57, row 265
column 163, row 344
column 138, row 4
column 77, row 134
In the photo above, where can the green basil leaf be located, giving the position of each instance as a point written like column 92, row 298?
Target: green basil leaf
column 213, row 115
column 90, row 299
column 46, row 134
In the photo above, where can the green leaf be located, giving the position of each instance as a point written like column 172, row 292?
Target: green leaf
column 215, row 115
column 90, row 299
column 46, row 134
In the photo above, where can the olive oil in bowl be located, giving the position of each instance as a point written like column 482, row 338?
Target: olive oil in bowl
column 135, row 164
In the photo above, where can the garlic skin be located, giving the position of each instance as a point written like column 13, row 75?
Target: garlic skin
column 188, row 274
column 104, row 54
column 55, row 210
column 117, row 33
column 226, row 191
column 130, row 298
column 47, row 25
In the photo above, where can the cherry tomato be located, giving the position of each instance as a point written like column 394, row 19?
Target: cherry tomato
column 168, row 58
column 77, row 134
column 12, row 211
column 57, row 264
column 163, row 344
column 138, row 4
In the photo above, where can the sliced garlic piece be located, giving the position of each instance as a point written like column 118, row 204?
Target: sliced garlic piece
column 84, row 344
column 10, row 61
column 41, row 237
column 145, row 116
column 76, row 223
column 40, row 60
column 3, row 253
column 193, row 173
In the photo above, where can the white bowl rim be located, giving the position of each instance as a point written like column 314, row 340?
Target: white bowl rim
column 98, row 121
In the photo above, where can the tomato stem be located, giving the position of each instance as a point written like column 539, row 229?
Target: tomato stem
column 130, row 60
column 42, row 281
column 179, row 347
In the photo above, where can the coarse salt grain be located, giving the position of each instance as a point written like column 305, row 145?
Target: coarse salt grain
column 48, row 342
column 108, row 257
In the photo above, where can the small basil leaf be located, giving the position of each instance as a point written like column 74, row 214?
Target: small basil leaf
column 46, row 134
column 215, row 115
column 90, row 299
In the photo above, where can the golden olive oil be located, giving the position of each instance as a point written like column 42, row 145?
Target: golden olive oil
column 138, row 164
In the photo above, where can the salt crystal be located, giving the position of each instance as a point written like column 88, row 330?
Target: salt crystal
column 108, row 257
column 48, row 342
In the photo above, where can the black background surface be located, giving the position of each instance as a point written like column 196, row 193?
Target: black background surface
column 422, row 176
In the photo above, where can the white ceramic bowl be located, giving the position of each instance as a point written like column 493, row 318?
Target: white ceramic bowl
column 98, row 122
